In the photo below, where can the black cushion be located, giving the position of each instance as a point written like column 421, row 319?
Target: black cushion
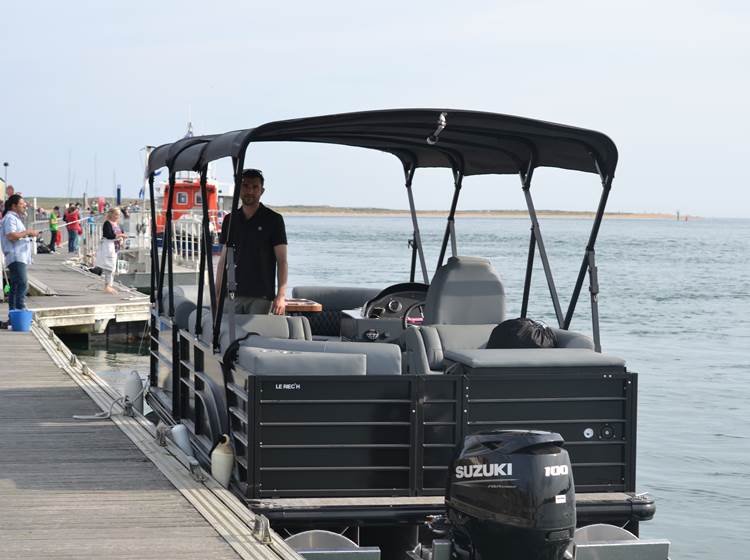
column 522, row 333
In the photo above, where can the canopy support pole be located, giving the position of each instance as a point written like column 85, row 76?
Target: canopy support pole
column 206, row 263
column 229, row 284
column 454, row 247
column 526, row 186
column 409, row 175
column 155, row 297
column 413, row 267
column 594, row 290
column 529, row 269
column 450, row 230
column 166, row 242
column 168, row 253
column 198, row 328
column 589, row 263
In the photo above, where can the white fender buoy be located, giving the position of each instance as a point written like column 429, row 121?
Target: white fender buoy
column 222, row 461
column 181, row 438
column 133, row 390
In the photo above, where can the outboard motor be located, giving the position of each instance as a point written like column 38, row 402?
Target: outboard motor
column 510, row 495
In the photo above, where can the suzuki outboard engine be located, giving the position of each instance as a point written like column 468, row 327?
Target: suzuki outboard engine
column 510, row 496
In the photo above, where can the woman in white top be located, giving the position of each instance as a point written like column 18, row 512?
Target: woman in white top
column 17, row 248
column 106, row 256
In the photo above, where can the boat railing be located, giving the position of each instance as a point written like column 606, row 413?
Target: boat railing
column 186, row 235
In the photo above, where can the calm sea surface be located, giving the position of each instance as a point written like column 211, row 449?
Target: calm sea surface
column 674, row 302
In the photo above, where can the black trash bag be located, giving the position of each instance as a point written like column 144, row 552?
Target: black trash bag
column 522, row 333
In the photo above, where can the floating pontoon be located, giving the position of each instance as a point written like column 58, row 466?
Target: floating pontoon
column 351, row 418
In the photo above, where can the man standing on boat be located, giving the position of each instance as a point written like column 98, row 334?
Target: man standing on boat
column 17, row 247
column 258, row 235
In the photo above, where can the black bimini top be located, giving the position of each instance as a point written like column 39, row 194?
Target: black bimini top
column 471, row 142
column 157, row 159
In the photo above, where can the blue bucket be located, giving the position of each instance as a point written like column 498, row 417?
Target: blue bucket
column 20, row 319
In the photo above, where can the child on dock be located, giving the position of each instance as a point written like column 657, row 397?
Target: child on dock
column 106, row 256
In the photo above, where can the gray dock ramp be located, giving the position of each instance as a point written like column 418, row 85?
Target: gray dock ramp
column 80, row 488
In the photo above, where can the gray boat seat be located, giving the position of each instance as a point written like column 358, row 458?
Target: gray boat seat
column 264, row 361
column 465, row 291
column 277, row 326
column 532, row 358
column 185, row 298
column 381, row 359
column 426, row 346
column 333, row 299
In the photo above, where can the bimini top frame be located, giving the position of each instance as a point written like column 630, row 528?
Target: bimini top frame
column 468, row 143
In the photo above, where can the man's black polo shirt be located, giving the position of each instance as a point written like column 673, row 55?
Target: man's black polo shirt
column 254, row 240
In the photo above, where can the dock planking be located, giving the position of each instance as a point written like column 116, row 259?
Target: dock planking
column 72, row 298
column 80, row 488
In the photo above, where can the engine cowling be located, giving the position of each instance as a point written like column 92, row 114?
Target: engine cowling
column 510, row 495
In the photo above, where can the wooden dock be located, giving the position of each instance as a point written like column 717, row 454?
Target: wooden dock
column 64, row 295
column 103, row 488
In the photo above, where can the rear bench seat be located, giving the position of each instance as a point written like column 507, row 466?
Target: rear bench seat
column 381, row 359
column 263, row 361
column 488, row 359
column 292, row 334
column 427, row 346
column 276, row 326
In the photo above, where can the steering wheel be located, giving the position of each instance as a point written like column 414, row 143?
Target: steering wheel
column 405, row 319
column 391, row 302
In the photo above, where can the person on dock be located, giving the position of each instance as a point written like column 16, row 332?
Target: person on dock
column 17, row 242
column 54, row 219
column 72, row 219
column 259, row 238
column 106, row 256
column 91, row 222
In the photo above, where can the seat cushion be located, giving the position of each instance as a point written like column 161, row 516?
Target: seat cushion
column 465, row 291
column 426, row 345
column 570, row 339
column 264, row 361
column 277, row 326
column 532, row 358
column 185, row 298
column 183, row 307
column 381, row 359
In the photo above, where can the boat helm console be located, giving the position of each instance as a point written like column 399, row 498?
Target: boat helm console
column 386, row 416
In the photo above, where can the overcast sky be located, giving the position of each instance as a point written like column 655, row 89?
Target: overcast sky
column 94, row 82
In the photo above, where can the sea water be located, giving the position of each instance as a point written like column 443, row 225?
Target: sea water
column 674, row 303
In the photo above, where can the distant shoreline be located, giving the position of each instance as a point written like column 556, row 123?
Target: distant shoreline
column 351, row 212
column 330, row 211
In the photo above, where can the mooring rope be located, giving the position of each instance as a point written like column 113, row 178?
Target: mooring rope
column 124, row 402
